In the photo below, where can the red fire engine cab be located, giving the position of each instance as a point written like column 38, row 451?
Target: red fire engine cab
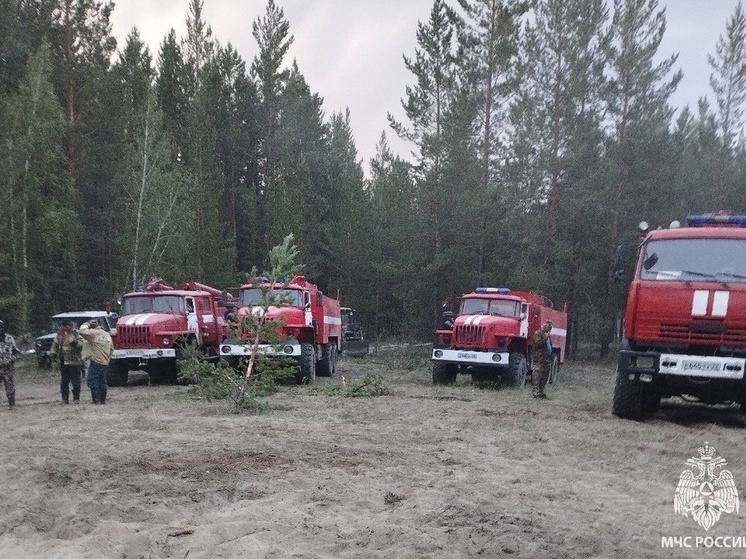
column 685, row 319
column 155, row 324
column 490, row 337
column 309, row 324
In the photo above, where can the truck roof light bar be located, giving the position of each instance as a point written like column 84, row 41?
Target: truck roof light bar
column 718, row 219
column 501, row 290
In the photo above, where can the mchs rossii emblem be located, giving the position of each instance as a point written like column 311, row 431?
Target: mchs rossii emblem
column 706, row 490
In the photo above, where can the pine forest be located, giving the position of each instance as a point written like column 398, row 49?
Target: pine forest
column 543, row 133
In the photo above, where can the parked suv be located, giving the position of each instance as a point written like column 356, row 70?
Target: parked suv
column 43, row 344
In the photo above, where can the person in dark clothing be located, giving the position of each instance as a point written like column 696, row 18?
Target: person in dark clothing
column 8, row 355
column 541, row 356
column 66, row 348
column 98, row 348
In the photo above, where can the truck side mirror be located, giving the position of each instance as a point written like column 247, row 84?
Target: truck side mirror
column 618, row 273
column 447, row 320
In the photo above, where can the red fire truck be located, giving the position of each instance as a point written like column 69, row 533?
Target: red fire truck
column 685, row 319
column 490, row 337
column 155, row 324
column 309, row 324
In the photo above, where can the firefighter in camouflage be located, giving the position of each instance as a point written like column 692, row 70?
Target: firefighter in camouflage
column 541, row 354
column 8, row 354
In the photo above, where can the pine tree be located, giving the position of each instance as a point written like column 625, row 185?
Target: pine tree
column 489, row 52
column 427, row 106
column 271, row 34
column 638, row 106
column 36, row 218
column 172, row 96
column 728, row 80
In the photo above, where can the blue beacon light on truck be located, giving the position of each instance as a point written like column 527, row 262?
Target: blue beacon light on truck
column 500, row 290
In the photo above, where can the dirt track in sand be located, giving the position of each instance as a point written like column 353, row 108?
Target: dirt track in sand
column 428, row 471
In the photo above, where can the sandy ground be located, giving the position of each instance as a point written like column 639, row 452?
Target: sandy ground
column 428, row 471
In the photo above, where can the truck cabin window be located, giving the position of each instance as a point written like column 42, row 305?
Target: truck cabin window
column 252, row 297
column 142, row 304
column 494, row 307
column 721, row 260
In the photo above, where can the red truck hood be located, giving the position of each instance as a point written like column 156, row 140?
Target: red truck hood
column 293, row 316
column 498, row 324
column 164, row 321
column 693, row 313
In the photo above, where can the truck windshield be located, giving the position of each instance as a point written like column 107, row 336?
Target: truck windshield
column 721, row 260
column 159, row 303
column 77, row 321
column 495, row 307
column 252, row 297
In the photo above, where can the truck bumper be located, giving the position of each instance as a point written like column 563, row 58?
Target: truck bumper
column 289, row 348
column 465, row 357
column 144, row 354
column 645, row 366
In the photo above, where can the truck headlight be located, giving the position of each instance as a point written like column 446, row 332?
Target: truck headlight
column 288, row 349
column 166, row 341
column 225, row 349
column 497, row 357
column 438, row 353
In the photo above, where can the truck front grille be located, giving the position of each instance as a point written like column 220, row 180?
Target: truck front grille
column 132, row 336
column 470, row 335
column 710, row 333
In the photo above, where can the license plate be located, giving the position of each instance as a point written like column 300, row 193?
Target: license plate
column 466, row 356
column 133, row 352
column 700, row 366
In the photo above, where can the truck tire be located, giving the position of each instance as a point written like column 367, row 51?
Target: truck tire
column 554, row 367
column 307, row 364
column 117, row 375
column 627, row 397
column 327, row 364
column 444, row 373
column 651, row 399
column 517, row 370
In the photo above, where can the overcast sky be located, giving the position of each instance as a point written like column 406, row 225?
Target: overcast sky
column 350, row 51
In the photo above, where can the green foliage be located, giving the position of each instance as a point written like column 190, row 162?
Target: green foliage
column 258, row 375
column 540, row 139
column 211, row 381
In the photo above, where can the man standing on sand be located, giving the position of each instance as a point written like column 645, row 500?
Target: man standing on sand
column 541, row 356
column 8, row 355
column 66, row 347
column 98, row 348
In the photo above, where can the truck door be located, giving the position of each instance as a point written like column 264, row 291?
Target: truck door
column 307, row 307
column 524, row 320
column 191, row 316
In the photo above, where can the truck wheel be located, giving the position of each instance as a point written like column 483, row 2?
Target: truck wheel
column 307, row 370
column 444, row 373
column 117, row 375
column 651, row 399
column 627, row 397
column 554, row 368
column 517, row 370
column 325, row 365
column 332, row 359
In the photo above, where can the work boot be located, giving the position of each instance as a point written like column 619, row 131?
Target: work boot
column 12, row 401
column 102, row 396
column 65, row 401
column 95, row 398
